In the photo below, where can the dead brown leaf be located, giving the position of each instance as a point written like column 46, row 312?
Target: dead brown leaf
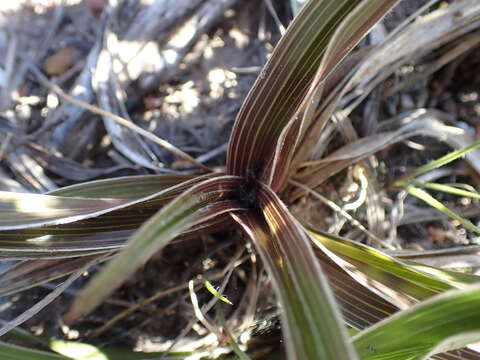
column 58, row 63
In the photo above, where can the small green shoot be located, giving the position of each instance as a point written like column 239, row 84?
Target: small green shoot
column 454, row 190
column 241, row 355
column 454, row 155
column 214, row 291
column 430, row 200
column 414, row 187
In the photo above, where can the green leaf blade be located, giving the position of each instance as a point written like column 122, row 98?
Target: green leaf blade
column 445, row 322
column 391, row 272
column 14, row 352
column 187, row 210
column 311, row 321
column 430, row 200
column 454, row 155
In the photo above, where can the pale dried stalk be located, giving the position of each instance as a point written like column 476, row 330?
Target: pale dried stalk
column 96, row 110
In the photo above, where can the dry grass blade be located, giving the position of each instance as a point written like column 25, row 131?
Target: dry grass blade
column 421, row 122
column 111, row 98
column 33, row 310
column 345, row 214
column 430, row 32
column 96, row 110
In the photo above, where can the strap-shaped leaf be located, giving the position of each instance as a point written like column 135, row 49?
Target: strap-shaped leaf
column 282, row 84
column 360, row 305
column 199, row 204
column 52, row 262
column 354, row 25
column 104, row 230
column 311, row 321
column 125, row 187
column 13, row 352
column 21, row 211
column 92, row 236
column 81, row 351
column 445, row 322
column 314, row 44
column 365, row 306
column 397, row 275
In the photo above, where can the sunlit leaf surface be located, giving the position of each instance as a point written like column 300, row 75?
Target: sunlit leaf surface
column 445, row 322
column 201, row 203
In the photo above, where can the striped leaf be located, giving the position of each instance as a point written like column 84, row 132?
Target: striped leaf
column 311, row 323
column 265, row 132
column 199, row 204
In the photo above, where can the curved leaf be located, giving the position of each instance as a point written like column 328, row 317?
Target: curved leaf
column 13, row 352
column 125, row 187
column 311, row 323
column 187, row 210
column 445, row 322
column 383, row 268
column 21, row 211
column 282, row 84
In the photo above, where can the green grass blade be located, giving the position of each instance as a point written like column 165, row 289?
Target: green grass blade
column 447, row 321
column 454, row 155
column 443, row 188
column 214, row 292
column 430, row 200
column 185, row 211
